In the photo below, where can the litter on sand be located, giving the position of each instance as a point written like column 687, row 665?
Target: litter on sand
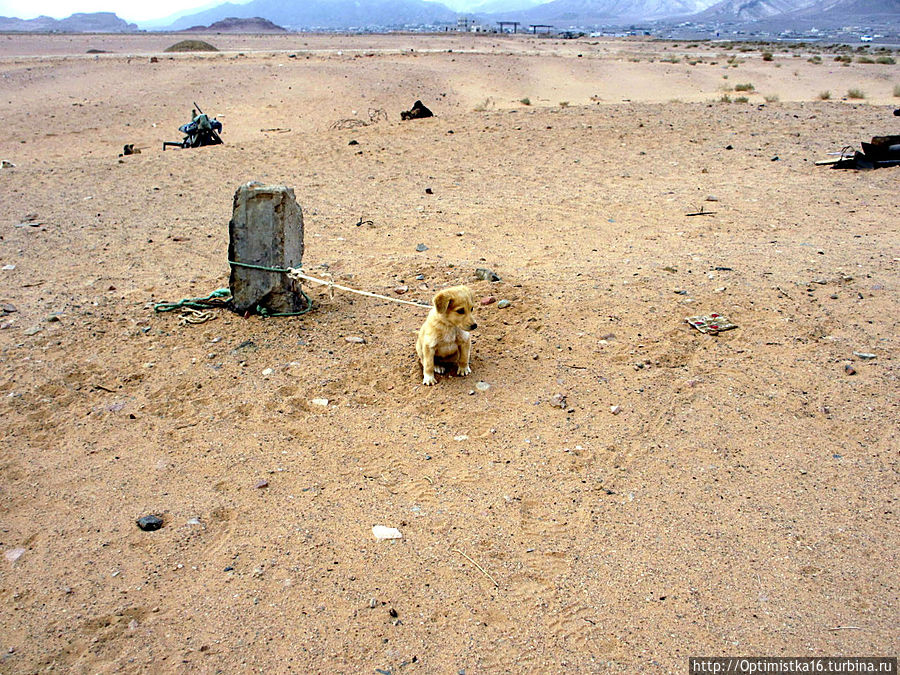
column 381, row 532
column 201, row 130
column 711, row 324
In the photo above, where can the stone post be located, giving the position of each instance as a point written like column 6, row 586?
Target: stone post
column 266, row 229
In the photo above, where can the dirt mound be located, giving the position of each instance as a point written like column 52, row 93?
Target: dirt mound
column 191, row 46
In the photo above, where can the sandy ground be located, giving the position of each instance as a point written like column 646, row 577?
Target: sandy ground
column 742, row 501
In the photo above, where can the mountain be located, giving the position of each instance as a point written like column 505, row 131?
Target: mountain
column 96, row 22
column 804, row 13
column 561, row 13
column 330, row 14
column 234, row 25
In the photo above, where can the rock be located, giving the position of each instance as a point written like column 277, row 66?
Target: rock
column 850, row 370
column 420, row 277
column 381, row 532
column 373, row 603
column 558, row 400
column 14, row 554
column 7, row 308
column 353, row 143
column 9, row 268
column 615, row 409
column 266, row 229
column 488, row 300
column 485, row 274
column 34, row 330
column 865, row 356
column 149, row 523
column 482, row 386
column 417, row 112
column 429, row 191
column 267, row 372
column 400, row 290
column 356, row 339
column 262, row 484
column 503, row 304
column 421, row 247
column 320, row 401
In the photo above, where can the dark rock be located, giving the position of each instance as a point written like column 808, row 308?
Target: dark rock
column 149, row 523
column 262, row 484
column 850, row 370
column 417, row 112
column 421, row 247
column 353, row 143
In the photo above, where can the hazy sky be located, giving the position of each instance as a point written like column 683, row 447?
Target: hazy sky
column 130, row 10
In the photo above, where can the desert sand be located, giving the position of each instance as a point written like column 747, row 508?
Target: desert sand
column 610, row 490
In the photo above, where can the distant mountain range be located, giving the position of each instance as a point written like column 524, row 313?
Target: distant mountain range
column 96, row 22
column 343, row 14
column 756, row 10
column 328, row 14
column 232, row 24
column 271, row 15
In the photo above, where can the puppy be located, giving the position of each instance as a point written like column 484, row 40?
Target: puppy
column 444, row 335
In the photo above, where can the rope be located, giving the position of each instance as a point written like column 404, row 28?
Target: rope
column 217, row 298
column 297, row 274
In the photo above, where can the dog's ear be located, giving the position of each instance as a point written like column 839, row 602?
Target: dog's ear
column 470, row 296
column 442, row 301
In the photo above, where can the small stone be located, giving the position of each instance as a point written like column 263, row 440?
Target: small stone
column 558, row 400
column 833, row 296
column 14, row 554
column 9, row 268
column 429, row 191
column 485, row 274
column 482, row 386
column 356, row 339
column 353, row 142
column 34, row 330
column 503, row 304
column 149, row 523
column 460, row 438
column 7, row 308
column 373, row 603
column 488, row 300
column 320, row 401
column 393, row 613
column 420, row 277
column 400, row 290
column 679, row 291
column 262, row 484
column 850, row 370
column 267, row 372
column 615, row 409
column 421, row 247
column 865, row 356
column 712, row 198
column 194, row 521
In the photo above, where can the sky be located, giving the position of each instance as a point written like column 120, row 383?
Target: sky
column 130, row 10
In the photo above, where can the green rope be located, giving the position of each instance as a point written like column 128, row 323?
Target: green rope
column 217, row 298
column 262, row 311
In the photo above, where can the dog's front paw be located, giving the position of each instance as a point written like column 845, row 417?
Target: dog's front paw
column 463, row 371
column 439, row 369
column 429, row 380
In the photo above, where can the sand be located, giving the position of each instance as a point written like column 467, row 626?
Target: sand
column 742, row 500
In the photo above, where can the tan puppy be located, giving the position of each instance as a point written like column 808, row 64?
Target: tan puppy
column 444, row 335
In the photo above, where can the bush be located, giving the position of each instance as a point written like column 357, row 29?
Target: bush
column 772, row 98
column 855, row 93
column 864, row 59
column 824, row 95
column 885, row 60
column 767, row 56
column 815, row 60
column 744, row 87
column 897, row 90
column 742, row 99
column 525, row 101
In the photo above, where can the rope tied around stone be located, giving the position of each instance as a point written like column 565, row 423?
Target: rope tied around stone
column 298, row 274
